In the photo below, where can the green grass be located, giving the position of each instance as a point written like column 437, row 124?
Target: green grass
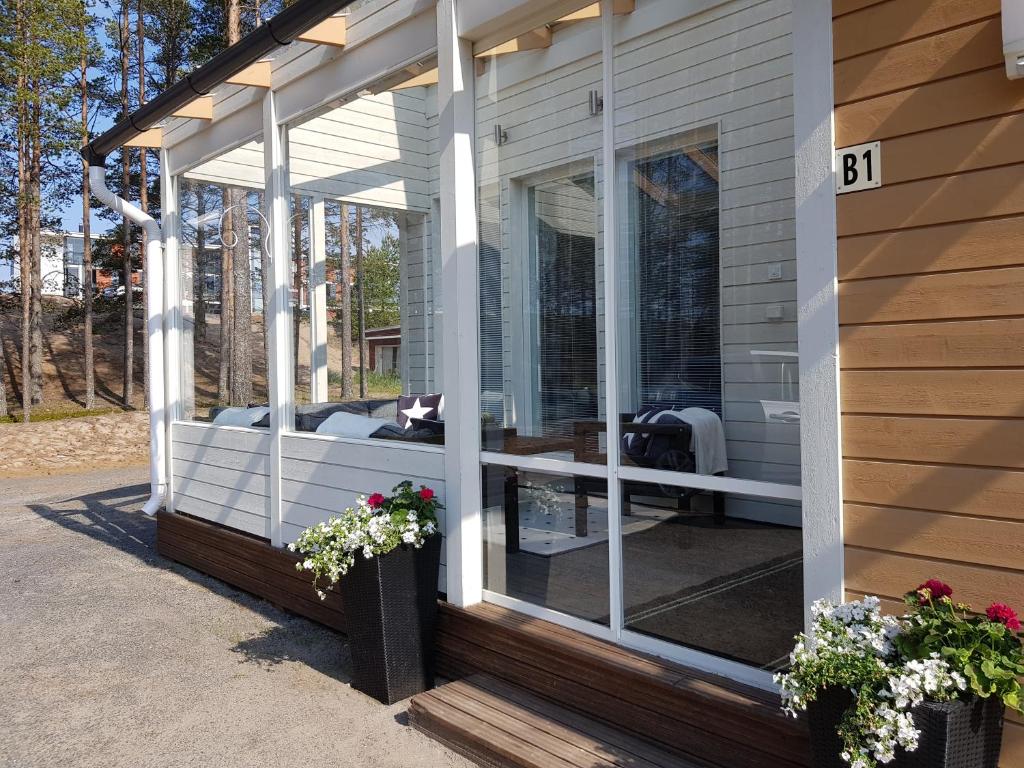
column 43, row 413
column 378, row 385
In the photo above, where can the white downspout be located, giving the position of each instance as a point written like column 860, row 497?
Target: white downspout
column 154, row 328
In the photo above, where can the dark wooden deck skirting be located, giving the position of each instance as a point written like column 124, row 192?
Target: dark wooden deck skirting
column 691, row 714
column 246, row 562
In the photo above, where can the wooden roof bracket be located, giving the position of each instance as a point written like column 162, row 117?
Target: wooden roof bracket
column 331, row 31
column 147, row 139
column 200, row 108
column 256, row 75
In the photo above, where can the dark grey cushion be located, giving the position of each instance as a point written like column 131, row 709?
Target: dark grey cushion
column 310, row 416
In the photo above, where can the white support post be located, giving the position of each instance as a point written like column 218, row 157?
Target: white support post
column 280, row 378
column 611, row 303
column 461, row 305
column 173, row 317
column 318, row 302
column 817, row 301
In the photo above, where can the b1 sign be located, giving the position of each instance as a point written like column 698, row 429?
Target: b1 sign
column 858, row 167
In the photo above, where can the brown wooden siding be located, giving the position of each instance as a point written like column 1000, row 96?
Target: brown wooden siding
column 931, row 270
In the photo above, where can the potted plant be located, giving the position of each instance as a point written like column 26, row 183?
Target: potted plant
column 384, row 554
column 926, row 689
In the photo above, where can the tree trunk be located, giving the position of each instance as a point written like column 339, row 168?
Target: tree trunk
column 87, row 286
column 36, row 181
column 296, row 285
column 3, row 386
column 129, row 299
column 226, row 301
column 143, row 199
column 362, row 302
column 24, row 247
column 228, row 343
column 265, row 283
column 199, row 268
column 346, row 307
column 241, row 348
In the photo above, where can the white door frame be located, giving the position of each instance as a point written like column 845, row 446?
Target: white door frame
column 820, row 489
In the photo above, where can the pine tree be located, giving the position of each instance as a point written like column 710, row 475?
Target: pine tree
column 39, row 47
column 140, row 48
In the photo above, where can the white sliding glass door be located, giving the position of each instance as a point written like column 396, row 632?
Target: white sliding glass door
column 639, row 353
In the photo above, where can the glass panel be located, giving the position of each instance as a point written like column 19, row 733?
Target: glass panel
column 369, row 334
column 539, row 136
column 707, row 257
column 223, row 261
column 546, row 540
column 718, row 572
column 301, row 300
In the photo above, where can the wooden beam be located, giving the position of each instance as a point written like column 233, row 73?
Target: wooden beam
column 200, row 108
column 150, row 138
column 256, row 75
column 430, row 77
column 593, row 11
column 330, row 31
column 708, row 164
column 529, row 41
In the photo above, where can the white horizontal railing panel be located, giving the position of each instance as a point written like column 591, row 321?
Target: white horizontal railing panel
column 231, row 518
column 232, row 479
column 226, row 458
column 220, row 474
column 411, row 459
column 234, row 438
column 322, row 475
column 231, row 498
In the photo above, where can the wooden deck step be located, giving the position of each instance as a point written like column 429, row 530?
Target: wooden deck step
column 499, row 725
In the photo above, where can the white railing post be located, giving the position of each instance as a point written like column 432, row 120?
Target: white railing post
column 461, row 309
column 280, row 379
column 318, row 301
column 170, row 221
column 818, row 303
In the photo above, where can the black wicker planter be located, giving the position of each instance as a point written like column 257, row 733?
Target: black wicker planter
column 390, row 613
column 955, row 734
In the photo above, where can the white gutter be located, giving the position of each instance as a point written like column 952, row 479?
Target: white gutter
column 154, row 328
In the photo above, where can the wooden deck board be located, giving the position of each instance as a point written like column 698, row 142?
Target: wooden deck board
column 495, row 723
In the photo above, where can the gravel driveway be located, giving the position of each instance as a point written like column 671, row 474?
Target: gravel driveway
column 113, row 656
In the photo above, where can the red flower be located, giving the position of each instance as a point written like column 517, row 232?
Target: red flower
column 933, row 589
column 426, row 494
column 1004, row 614
column 376, row 501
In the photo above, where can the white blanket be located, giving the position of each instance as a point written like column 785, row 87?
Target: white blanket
column 342, row 424
column 707, row 440
column 240, row 417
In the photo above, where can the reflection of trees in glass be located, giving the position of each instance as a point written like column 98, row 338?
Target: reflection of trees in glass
column 677, row 281
column 217, row 225
column 381, row 281
column 363, row 254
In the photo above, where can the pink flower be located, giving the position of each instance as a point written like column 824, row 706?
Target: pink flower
column 1004, row 614
column 376, row 501
column 426, row 494
column 933, row 589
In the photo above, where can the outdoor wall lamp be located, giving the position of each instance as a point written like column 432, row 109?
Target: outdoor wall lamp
column 596, row 103
column 500, row 135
